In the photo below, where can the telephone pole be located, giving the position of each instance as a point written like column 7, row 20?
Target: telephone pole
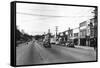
column 56, row 31
column 48, row 30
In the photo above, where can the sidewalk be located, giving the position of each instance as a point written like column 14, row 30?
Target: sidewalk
column 84, row 47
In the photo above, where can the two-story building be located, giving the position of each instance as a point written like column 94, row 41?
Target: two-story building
column 70, row 34
column 76, row 38
column 87, row 32
column 84, row 33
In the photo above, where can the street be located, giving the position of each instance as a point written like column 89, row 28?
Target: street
column 33, row 52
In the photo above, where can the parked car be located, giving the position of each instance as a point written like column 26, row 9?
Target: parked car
column 70, row 44
column 52, row 41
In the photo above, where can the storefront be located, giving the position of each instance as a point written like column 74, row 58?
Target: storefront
column 76, row 41
column 83, row 41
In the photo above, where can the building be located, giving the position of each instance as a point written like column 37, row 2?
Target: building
column 76, row 38
column 87, row 32
column 63, row 37
column 70, row 35
column 84, row 33
column 93, row 32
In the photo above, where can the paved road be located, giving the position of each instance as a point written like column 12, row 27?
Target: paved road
column 35, row 53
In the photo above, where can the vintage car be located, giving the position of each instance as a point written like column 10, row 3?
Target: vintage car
column 46, row 41
column 70, row 44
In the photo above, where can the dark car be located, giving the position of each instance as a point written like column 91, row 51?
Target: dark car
column 47, row 45
column 70, row 44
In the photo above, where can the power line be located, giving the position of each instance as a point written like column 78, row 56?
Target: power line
column 38, row 15
column 49, row 15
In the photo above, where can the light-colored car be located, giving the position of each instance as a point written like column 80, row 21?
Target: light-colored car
column 52, row 41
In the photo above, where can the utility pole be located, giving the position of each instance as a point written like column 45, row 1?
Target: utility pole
column 49, row 33
column 49, row 36
column 48, row 30
column 56, row 31
column 79, row 37
column 44, row 33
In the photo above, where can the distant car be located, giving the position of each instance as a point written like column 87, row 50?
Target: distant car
column 47, row 44
column 70, row 44
column 62, row 43
column 46, row 41
column 52, row 41
column 57, row 42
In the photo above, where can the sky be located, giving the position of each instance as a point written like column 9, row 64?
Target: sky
column 38, row 18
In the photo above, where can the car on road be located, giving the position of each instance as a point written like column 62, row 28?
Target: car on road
column 47, row 45
column 46, row 41
column 52, row 41
column 70, row 44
